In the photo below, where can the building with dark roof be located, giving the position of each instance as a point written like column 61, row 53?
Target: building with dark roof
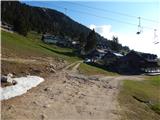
column 136, row 62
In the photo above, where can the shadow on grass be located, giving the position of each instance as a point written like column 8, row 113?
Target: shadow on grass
column 114, row 69
column 100, row 66
column 69, row 54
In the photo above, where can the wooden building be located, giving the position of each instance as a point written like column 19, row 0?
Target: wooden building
column 136, row 62
column 51, row 39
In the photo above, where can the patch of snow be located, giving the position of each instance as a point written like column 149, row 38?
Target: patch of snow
column 23, row 84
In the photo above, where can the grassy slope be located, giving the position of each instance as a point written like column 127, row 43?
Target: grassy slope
column 91, row 70
column 17, row 45
column 144, row 91
column 14, row 45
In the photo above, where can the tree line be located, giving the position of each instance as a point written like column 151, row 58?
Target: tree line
column 25, row 18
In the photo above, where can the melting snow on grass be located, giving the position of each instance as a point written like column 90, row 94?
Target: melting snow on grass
column 23, row 84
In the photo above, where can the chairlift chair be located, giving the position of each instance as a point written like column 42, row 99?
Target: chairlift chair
column 156, row 42
column 155, row 37
column 139, row 27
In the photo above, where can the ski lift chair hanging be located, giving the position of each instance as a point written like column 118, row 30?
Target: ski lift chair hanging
column 155, row 37
column 140, row 29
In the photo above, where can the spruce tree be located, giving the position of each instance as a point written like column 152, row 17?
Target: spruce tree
column 91, row 41
column 20, row 26
column 115, row 45
column 82, row 39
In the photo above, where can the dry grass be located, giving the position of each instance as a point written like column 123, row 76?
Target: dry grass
column 22, row 69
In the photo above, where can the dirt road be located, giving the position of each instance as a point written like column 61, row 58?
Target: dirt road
column 68, row 95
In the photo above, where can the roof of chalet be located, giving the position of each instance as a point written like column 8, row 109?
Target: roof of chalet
column 133, row 55
column 118, row 54
column 112, row 54
column 6, row 24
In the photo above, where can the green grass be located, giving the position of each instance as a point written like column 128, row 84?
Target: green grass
column 15, row 44
column 34, row 36
column 140, row 100
column 92, row 70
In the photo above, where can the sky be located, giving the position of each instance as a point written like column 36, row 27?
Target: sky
column 116, row 17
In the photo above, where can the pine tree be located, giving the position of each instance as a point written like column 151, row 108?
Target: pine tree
column 82, row 39
column 91, row 41
column 20, row 26
column 114, row 44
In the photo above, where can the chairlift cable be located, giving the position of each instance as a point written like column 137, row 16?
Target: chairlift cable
column 102, row 17
column 113, row 12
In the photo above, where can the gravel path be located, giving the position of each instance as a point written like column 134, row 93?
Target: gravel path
column 68, row 95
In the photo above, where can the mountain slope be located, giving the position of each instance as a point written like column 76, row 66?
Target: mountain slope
column 15, row 45
column 41, row 19
column 25, row 18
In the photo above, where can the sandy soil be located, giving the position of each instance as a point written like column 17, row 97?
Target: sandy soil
column 68, row 95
